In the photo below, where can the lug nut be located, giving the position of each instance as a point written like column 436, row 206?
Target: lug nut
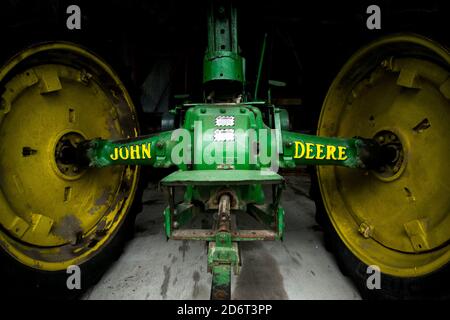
column 365, row 230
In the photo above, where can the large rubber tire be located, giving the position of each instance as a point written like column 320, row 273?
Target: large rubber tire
column 348, row 201
column 19, row 281
column 433, row 286
column 18, row 276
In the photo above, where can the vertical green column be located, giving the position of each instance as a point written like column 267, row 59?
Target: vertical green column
column 223, row 255
column 222, row 60
column 221, row 288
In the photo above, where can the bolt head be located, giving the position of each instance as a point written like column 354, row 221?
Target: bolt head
column 365, row 230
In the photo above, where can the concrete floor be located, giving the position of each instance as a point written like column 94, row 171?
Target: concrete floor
column 297, row 268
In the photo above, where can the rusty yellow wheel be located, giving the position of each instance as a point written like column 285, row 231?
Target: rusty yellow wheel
column 53, row 213
column 397, row 91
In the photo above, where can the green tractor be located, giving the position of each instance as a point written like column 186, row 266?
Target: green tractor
column 71, row 154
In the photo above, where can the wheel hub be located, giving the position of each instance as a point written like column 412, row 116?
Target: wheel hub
column 393, row 156
column 66, row 157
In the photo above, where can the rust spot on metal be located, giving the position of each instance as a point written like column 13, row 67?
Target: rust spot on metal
column 208, row 234
column 68, row 228
column 103, row 198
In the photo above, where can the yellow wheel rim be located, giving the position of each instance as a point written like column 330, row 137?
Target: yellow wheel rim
column 395, row 89
column 52, row 213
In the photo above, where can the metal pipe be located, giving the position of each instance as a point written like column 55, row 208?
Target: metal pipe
column 224, row 213
column 261, row 61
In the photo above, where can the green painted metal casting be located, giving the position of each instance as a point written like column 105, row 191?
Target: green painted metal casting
column 222, row 60
column 227, row 148
column 194, row 147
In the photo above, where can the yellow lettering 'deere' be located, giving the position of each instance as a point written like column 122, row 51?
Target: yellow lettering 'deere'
column 309, row 150
column 319, row 151
column 297, row 154
column 134, row 152
column 320, row 154
column 342, row 155
column 330, row 153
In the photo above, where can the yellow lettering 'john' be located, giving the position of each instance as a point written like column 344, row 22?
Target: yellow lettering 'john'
column 135, row 152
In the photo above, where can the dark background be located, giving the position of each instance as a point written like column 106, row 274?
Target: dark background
column 309, row 41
